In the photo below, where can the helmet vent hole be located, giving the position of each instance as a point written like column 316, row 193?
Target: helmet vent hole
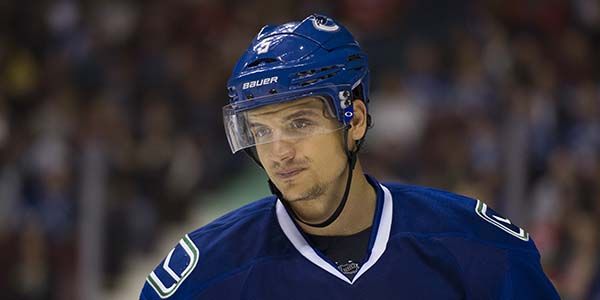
column 354, row 57
column 309, row 82
column 326, row 68
column 261, row 62
column 315, row 80
column 306, row 73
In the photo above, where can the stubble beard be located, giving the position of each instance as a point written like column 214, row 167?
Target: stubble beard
column 314, row 192
column 320, row 190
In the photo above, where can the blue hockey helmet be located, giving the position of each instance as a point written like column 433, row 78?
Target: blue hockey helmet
column 316, row 57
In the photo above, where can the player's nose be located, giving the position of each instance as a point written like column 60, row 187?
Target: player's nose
column 282, row 150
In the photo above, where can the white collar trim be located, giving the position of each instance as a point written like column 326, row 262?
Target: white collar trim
column 381, row 239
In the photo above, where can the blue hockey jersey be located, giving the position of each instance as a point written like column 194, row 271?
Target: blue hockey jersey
column 424, row 244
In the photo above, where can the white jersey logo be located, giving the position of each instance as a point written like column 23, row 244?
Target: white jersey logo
column 503, row 223
column 324, row 27
column 185, row 248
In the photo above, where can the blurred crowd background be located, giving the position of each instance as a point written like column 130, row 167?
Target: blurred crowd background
column 110, row 122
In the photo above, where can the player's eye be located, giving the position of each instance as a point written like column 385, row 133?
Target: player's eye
column 261, row 131
column 300, row 123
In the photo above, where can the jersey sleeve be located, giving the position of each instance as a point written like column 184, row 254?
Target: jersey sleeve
column 523, row 276
column 496, row 258
column 492, row 272
column 213, row 259
column 169, row 279
column 525, row 279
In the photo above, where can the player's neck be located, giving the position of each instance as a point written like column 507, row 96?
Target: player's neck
column 358, row 212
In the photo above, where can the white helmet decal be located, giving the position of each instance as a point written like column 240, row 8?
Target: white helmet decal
column 323, row 26
column 263, row 46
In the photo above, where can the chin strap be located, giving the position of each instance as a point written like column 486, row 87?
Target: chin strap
column 350, row 154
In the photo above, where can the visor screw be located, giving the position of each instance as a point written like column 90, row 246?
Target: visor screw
column 344, row 95
column 231, row 91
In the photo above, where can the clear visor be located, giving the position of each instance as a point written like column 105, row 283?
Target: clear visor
column 292, row 120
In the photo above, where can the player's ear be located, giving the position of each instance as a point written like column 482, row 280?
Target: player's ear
column 359, row 121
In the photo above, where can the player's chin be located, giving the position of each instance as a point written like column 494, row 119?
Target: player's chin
column 292, row 194
column 295, row 194
column 295, row 190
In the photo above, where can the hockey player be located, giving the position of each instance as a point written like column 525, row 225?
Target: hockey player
column 298, row 106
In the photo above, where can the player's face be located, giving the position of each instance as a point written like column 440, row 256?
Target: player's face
column 307, row 168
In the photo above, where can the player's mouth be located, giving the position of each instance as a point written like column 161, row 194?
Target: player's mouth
column 288, row 173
